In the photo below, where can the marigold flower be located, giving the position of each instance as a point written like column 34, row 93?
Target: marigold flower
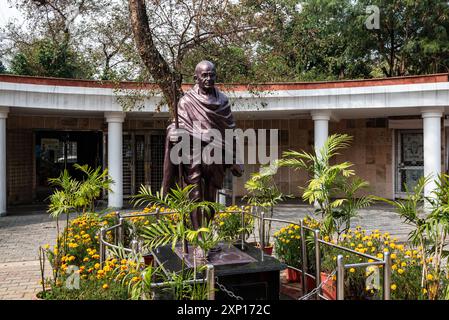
column 105, row 286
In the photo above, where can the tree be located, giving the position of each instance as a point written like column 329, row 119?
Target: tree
column 166, row 31
column 50, row 59
column 412, row 38
column 2, row 68
column 96, row 32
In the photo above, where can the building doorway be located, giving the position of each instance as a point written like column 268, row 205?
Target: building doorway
column 143, row 161
column 59, row 150
column 409, row 160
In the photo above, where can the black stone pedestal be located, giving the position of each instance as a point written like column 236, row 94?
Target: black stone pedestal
column 256, row 280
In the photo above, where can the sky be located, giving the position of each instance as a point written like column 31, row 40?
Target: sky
column 7, row 12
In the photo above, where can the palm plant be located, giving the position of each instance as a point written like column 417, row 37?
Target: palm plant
column 96, row 180
column 63, row 201
column 178, row 201
column 165, row 232
column 263, row 193
column 430, row 228
column 330, row 186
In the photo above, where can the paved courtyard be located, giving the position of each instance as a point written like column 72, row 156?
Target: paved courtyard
column 21, row 234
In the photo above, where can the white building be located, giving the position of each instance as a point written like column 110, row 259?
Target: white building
column 398, row 125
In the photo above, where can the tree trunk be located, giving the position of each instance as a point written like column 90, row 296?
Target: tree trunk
column 169, row 81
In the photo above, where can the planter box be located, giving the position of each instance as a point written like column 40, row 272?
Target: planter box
column 329, row 289
column 296, row 276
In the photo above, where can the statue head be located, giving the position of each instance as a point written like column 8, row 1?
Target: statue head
column 205, row 76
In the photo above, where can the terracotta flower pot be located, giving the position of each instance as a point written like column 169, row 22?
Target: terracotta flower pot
column 293, row 275
column 268, row 250
column 148, row 259
column 329, row 288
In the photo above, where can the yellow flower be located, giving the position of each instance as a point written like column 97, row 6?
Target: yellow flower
column 105, row 286
column 352, row 270
column 400, row 271
column 97, row 266
column 46, row 246
column 424, row 291
column 86, row 259
column 403, row 264
column 393, row 287
column 393, row 256
column 430, row 277
column 369, row 244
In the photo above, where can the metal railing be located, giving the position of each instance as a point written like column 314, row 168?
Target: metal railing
column 341, row 266
column 318, row 242
column 135, row 249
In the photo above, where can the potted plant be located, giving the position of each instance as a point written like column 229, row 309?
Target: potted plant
column 332, row 188
column 287, row 246
column 264, row 194
column 429, row 234
column 228, row 224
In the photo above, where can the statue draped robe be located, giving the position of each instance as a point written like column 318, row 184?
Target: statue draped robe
column 211, row 112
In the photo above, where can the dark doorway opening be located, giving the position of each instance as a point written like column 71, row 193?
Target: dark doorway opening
column 143, row 160
column 59, row 150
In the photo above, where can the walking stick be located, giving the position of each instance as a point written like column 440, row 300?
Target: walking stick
column 185, row 248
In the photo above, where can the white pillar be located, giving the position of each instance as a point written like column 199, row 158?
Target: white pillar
column 3, row 116
column 432, row 147
column 321, row 132
column 321, row 127
column 115, row 157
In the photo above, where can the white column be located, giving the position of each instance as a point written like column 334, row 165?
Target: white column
column 321, row 127
column 432, row 147
column 115, row 157
column 321, row 132
column 3, row 116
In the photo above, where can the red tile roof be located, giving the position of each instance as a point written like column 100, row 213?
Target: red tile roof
column 432, row 78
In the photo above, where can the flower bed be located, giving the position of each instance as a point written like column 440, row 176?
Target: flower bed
column 406, row 265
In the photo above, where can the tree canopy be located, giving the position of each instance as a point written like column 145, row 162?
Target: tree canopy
column 249, row 40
